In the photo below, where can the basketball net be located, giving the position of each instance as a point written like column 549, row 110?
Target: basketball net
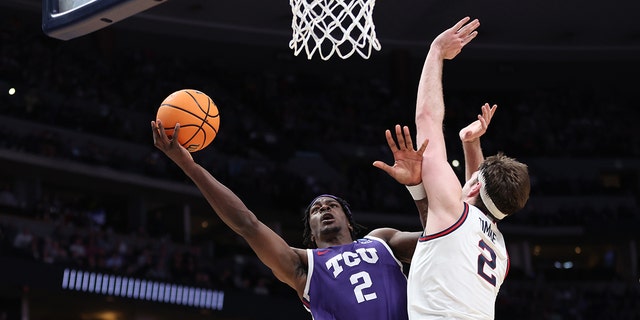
column 333, row 26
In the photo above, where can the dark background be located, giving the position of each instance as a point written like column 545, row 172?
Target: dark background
column 76, row 145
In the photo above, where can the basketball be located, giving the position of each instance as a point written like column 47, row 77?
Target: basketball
column 197, row 115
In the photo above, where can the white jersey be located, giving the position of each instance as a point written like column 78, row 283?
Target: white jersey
column 457, row 273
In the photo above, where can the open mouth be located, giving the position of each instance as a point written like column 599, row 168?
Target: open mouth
column 327, row 218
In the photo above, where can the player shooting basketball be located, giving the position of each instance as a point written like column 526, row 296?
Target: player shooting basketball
column 342, row 277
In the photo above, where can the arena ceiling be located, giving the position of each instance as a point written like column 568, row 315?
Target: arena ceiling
column 523, row 29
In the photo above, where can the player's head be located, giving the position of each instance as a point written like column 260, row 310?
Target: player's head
column 327, row 214
column 504, row 185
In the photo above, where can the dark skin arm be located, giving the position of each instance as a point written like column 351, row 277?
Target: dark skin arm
column 288, row 264
column 406, row 169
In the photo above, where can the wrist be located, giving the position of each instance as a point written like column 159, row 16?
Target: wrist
column 417, row 192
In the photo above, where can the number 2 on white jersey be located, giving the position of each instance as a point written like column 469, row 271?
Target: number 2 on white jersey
column 489, row 262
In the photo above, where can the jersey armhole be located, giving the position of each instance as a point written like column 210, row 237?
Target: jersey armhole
column 305, row 295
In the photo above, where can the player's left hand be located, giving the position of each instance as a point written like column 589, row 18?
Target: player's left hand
column 407, row 166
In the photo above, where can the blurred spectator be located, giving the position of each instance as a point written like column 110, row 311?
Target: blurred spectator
column 23, row 239
column 7, row 197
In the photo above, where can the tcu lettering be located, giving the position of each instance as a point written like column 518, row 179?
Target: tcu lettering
column 350, row 259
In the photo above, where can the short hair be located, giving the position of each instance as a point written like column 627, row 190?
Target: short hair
column 507, row 182
column 306, row 235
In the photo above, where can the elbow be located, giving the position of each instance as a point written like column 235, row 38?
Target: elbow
column 428, row 116
column 247, row 226
column 422, row 116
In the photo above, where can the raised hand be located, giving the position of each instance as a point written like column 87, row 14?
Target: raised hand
column 451, row 41
column 477, row 128
column 407, row 165
column 171, row 147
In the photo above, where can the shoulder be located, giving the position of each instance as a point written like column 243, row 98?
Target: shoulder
column 401, row 243
column 383, row 234
column 389, row 235
column 303, row 256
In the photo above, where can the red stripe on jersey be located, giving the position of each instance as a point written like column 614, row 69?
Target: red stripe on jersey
column 465, row 214
column 508, row 266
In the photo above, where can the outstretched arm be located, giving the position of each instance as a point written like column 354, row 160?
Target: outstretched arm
column 470, row 137
column 441, row 183
column 407, row 166
column 285, row 262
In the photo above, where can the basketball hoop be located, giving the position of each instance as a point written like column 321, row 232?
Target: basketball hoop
column 333, row 26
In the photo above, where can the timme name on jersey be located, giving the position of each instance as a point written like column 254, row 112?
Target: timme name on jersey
column 360, row 280
column 456, row 273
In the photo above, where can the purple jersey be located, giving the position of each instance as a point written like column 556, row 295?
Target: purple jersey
column 360, row 280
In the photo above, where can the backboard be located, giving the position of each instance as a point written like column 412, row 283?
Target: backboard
column 69, row 19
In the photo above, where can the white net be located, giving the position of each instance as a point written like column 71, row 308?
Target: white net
column 330, row 27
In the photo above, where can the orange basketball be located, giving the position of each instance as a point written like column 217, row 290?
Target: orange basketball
column 197, row 115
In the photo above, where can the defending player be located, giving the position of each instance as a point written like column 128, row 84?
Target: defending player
column 461, row 260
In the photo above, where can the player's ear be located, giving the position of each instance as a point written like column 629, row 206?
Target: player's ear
column 475, row 189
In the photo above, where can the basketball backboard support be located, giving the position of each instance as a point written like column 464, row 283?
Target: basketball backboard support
column 69, row 19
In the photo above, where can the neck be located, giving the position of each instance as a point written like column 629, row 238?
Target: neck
column 335, row 240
